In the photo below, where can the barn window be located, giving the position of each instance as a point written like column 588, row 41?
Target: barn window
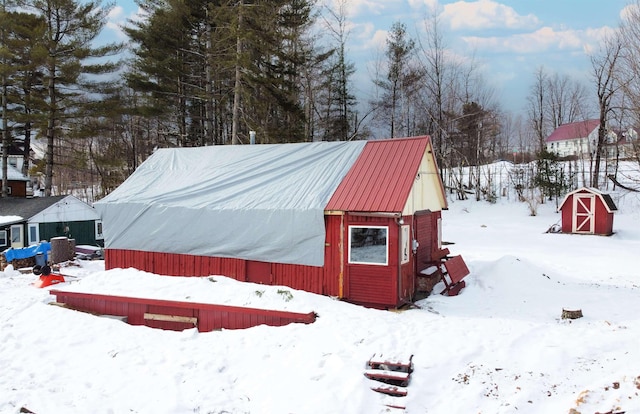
column 369, row 245
column 3, row 237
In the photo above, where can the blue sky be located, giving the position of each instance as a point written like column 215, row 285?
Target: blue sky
column 509, row 39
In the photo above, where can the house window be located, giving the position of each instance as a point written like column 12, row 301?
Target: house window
column 3, row 238
column 99, row 235
column 369, row 245
column 34, row 234
column 16, row 236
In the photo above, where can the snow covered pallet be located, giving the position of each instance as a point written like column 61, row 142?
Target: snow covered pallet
column 393, row 371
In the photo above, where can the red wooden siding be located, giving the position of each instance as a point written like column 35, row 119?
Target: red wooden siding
column 386, row 187
column 322, row 280
column 426, row 223
column 374, row 285
column 589, row 210
column 209, row 316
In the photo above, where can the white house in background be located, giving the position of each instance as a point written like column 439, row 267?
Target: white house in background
column 579, row 139
column 574, row 139
column 624, row 145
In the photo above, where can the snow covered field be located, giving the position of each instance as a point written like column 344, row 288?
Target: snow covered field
column 498, row 347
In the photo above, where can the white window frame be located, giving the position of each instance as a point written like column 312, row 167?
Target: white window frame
column 4, row 238
column 20, row 230
column 405, row 242
column 36, row 239
column 99, row 226
column 386, row 228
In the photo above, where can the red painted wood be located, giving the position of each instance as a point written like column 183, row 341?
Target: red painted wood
column 603, row 219
column 210, row 316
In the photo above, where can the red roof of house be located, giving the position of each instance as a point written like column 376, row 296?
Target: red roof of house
column 386, row 187
column 574, row 130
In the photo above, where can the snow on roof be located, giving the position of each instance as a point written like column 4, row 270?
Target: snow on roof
column 574, row 130
column 13, row 174
column 4, row 220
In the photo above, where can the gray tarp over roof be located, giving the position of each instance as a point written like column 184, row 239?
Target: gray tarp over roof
column 259, row 202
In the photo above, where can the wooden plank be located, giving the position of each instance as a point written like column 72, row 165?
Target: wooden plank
column 386, row 374
column 170, row 318
column 392, row 390
column 391, row 362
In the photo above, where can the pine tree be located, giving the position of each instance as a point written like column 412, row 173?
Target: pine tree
column 72, row 78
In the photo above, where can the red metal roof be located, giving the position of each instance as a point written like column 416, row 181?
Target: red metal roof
column 382, row 177
column 574, row 130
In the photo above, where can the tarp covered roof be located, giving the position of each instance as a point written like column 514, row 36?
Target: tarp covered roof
column 259, row 202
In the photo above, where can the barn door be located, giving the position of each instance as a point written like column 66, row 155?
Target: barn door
column 584, row 206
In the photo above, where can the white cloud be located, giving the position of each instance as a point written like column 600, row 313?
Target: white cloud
column 354, row 8
column 116, row 19
column 484, row 14
column 541, row 40
column 419, row 4
column 629, row 12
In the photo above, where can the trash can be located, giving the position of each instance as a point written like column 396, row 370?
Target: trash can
column 40, row 260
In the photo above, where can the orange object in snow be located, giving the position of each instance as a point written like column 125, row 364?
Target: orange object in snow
column 46, row 278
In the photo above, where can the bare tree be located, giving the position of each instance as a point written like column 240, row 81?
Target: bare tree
column 536, row 102
column 604, row 67
column 565, row 100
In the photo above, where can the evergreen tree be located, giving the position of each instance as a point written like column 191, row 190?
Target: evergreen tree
column 72, row 77
column 400, row 83
column 550, row 176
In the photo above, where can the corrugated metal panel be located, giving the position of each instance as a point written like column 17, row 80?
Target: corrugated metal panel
column 382, row 177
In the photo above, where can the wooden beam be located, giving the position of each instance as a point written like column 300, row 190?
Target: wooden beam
column 171, row 318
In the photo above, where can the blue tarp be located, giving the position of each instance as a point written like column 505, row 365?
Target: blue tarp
column 26, row 252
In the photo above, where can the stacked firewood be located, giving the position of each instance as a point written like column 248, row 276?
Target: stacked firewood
column 17, row 263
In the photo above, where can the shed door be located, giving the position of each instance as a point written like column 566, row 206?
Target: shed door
column 584, row 208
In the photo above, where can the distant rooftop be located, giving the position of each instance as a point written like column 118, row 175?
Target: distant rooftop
column 574, row 130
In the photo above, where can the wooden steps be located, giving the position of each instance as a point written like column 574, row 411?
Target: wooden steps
column 392, row 375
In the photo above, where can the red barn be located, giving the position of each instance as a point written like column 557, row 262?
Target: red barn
column 587, row 211
column 354, row 220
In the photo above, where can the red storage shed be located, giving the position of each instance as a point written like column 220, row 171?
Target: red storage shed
column 587, row 211
column 354, row 220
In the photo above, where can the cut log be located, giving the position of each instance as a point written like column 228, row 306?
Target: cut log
column 571, row 314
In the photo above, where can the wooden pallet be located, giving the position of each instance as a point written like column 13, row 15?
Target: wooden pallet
column 393, row 371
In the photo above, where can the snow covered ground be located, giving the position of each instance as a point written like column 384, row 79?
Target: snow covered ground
column 499, row 347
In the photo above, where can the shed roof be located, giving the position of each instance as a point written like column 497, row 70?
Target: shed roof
column 386, row 187
column 573, row 130
column 27, row 207
column 13, row 174
column 608, row 202
column 42, row 210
